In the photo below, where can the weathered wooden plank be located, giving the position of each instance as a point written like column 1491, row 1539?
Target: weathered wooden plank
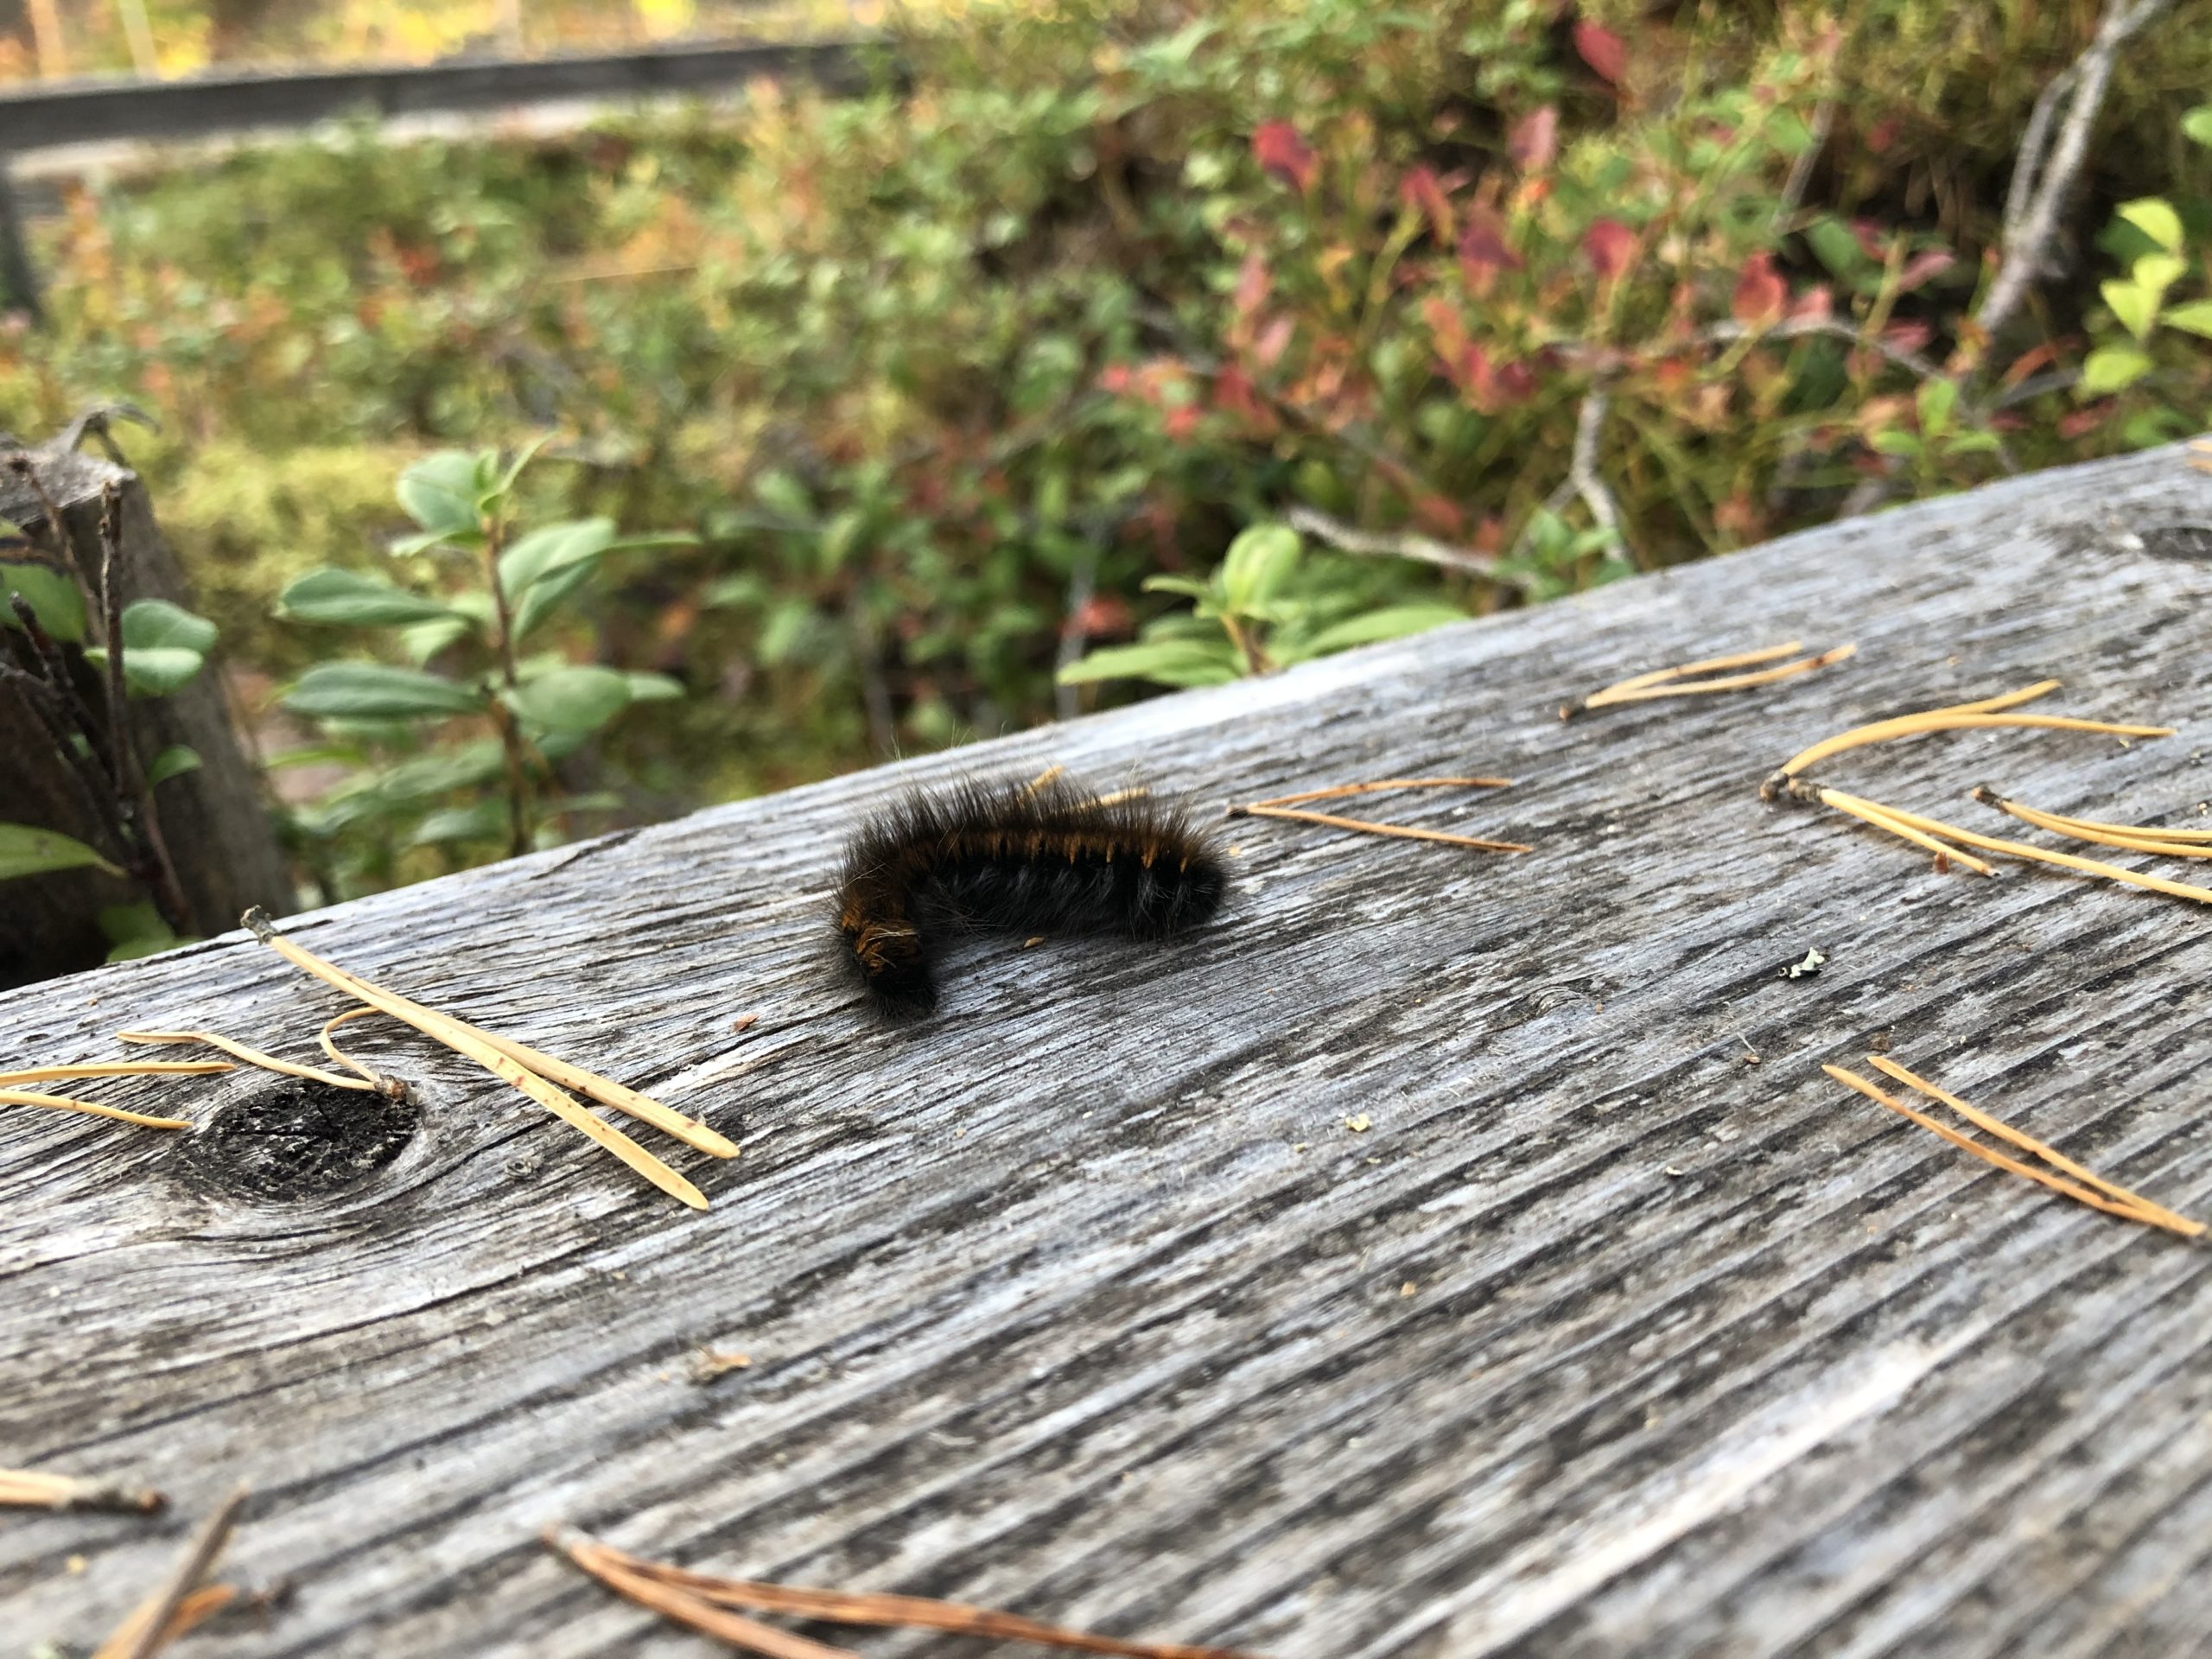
column 1083, row 1299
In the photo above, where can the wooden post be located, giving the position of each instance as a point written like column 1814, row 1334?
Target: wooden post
column 218, row 831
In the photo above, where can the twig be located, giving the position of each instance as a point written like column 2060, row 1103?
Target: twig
column 1800, row 171
column 503, row 717
column 1728, row 331
column 134, row 801
column 1583, row 478
column 142, row 1634
column 28, row 1489
column 1392, row 545
column 1083, row 581
column 2046, row 169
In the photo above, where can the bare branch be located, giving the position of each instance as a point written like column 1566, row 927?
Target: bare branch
column 2048, row 167
column 1800, row 172
column 1583, row 478
column 1392, row 545
column 1828, row 327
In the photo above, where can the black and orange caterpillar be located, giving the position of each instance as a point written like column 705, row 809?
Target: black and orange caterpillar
column 1043, row 858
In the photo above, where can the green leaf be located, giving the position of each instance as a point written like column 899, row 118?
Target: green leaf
column 551, row 548
column 172, row 762
column 1937, row 398
column 654, row 687
column 26, row 850
column 2157, row 272
column 1893, row 442
column 544, row 596
column 785, row 496
column 342, row 597
column 156, row 625
column 151, row 944
column 1171, row 662
column 2194, row 318
column 2197, row 125
column 2136, row 307
column 122, row 923
column 2110, row 368
column 420, row 641
column 1258, row 563
column 2156, row 220
column 1391, row 622
column 574, row 699
column 441, row 771
column 439, row 492
column 52, row 597
column 1973, row 443
column 506, row 480
column 376, row 691
column 484, row 821
column 150, row 671
column 1189, row 586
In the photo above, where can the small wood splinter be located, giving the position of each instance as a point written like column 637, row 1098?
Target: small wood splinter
column 537, row 1075
column 2071, row 1180
column 1288, row 807
column 704, row 1600
column 1678, row 682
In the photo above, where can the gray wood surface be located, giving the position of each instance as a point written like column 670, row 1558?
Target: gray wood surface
column 1082, row 1299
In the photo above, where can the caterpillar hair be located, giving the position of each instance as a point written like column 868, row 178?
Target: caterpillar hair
column 1046, row 858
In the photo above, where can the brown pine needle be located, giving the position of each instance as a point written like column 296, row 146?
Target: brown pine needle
column 609, row 1567
column 1676, row 682
column 142, row 1634
column 391, row 1087
column 895, row 1612
column 2168, row 843
column 1341, row 789
column 1882, row 817
column 251, row 1056
column 2050, row 1154
column 90, row 1108
column 1945, row 719
column 495, row 1058
column 27, row 1488
column 606, row 1090
column 116, row 1068
column 2044, row 855
column 1364, row 827
column 2132, row 1209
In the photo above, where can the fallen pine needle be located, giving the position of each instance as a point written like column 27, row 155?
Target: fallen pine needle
column 1341, row 790
column 155, row 1622
column 1882, row 817
column 1365, row 827
column 90, row 1108
column 835, row 1606
column 251, row 1056
column 1676, row 682
column 2102, row 1195
column 1280, row 806
column 384, row 1085
column 2138, row 838
column 496, row 1057
column 26, row 1489
column 2037, row 855
column 116, row 1068
column 1942, row 720
column 607, row 1566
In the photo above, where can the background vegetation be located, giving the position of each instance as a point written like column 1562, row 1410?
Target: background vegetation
column 1509, row 297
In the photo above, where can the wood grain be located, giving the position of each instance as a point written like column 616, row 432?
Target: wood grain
column 1083, row 1300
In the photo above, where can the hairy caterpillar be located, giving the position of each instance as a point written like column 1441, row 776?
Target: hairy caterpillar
column 1035, row 859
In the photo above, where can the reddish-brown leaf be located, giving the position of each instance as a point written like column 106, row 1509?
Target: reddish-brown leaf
column 1279, row 150
column 1482, row 250
column 1602, row 49
column 1423, row 192
column 1534, row 141
column 1760, row 291
column 1922, row 267
column 1609, row 246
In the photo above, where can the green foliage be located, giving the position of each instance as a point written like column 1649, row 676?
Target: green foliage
column 1267, row 605
column 417, row 773
column 959, row 376
column 27, row 851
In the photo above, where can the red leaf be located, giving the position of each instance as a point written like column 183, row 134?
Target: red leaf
column 1882, row 137
column 1483, row 252
column 1533, row 142
column 1609, row 246
column 1102, row 616
column 1760, row 291
column 1602, row 49
column 1924, row 266
column 2083, row 422
column 1115, row 378
column 1182, row 423
column 1272, row 343
column 1815, row 304
column 1908, row 336
column 1279, row 149
column 1422, row 191
column 1253, row 283
column 1439, row 515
